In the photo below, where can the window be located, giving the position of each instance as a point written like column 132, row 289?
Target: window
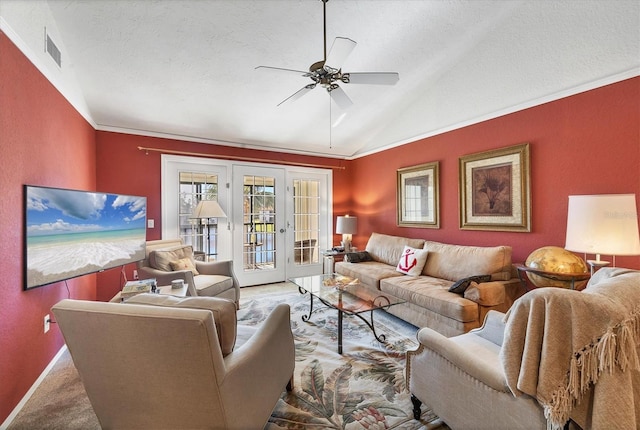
column 306, row 201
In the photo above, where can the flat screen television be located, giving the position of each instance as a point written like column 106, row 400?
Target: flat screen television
column 70, row 233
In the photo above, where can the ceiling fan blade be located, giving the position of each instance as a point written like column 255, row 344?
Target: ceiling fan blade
column 372, row 78
column 339, row 52
column 339, row 96
column 299, row 72
column 295, row 96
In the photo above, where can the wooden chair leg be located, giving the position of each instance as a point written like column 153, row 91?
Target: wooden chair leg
column 416, row 407
column 290, row 385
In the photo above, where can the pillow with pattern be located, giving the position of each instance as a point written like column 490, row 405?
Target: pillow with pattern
column 412, row 261
column 184, row 264
column 357, row 257
column 461, row 286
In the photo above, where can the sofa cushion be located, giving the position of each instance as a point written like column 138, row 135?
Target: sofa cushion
column 184, row 264
column 460, row 286
column 212, row 285
column 412, row 261
column 388, row 249
column 161, row 258
column 224, row 313
column 369, row 273
column 432, row 294
column 454, row 262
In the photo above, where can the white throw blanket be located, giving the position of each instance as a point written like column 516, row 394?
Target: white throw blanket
column 577, row 352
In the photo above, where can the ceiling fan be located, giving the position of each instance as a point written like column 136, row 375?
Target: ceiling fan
column 328, row 72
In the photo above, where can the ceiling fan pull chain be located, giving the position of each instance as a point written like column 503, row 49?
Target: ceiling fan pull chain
column 330, row 140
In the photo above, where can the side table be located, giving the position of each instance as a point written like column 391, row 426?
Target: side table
column 571, row 278
column 330, row 258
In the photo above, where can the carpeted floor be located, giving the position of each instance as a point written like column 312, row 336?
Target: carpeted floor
column 365, row 383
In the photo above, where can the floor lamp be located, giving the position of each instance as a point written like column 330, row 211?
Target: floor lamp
column 603, row 224
column 207, row 209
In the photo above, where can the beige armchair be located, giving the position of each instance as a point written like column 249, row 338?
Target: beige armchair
column 214, row 279
column 160, row 362
column 567, row 355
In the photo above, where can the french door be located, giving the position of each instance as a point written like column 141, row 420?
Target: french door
column 278, row 217
column 259, row 224
column 283, row 224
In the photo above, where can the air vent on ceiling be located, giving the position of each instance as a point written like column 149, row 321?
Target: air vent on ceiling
column 52, row 49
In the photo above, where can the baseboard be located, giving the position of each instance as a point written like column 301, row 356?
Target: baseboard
column 33, row 388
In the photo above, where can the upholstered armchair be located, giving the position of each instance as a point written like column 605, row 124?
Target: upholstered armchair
column 171, row 259
column 558, row 356
column 161, row 362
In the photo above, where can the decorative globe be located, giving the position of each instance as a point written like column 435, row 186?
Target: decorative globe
column 556, row 260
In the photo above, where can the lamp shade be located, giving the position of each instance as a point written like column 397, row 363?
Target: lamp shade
column 346, row 225
column 603, row 224
column 208, row 209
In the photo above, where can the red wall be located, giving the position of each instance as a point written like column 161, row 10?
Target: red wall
column 585, row 144
column 43, row 141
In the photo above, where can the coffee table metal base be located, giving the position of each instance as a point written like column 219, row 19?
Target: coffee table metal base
column 369, row 323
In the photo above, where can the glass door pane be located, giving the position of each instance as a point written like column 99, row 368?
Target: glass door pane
column 202, row 234
column 306, row 226
column 259, row 217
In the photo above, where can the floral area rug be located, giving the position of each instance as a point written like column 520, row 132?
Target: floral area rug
column 364, row 388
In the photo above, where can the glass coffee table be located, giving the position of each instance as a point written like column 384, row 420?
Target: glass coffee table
column 347, row 296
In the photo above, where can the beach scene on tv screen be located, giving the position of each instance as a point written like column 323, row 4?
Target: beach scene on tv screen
column 70, row 233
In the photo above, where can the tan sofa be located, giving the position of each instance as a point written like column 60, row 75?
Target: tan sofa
column 428, row 300
column 214, row 279
column 160, row 362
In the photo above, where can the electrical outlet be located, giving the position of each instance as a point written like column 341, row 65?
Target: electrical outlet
column 47, row 323
column 135, row 274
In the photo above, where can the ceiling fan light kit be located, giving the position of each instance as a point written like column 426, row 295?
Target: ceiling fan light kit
column 328, row 72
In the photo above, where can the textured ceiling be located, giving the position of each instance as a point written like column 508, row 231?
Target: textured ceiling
column 186, row 68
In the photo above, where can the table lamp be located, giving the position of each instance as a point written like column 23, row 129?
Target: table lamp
column 603, row 224
column 346, row 226
column 208, row 209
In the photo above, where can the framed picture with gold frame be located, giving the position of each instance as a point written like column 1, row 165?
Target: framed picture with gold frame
column 494, row 190
column 418, row 196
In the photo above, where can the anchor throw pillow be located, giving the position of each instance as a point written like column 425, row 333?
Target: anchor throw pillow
column 412, row 261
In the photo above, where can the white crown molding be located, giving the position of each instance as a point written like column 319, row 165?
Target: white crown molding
column 612, row 79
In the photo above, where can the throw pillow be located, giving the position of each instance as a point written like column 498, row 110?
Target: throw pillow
column 184, row 264
column 460, row 286
column 357, row 257
column 161, row 258
column 412, row 261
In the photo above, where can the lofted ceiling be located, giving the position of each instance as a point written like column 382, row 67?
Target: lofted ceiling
column 186, row 69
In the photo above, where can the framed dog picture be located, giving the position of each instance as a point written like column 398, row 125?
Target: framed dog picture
column 494, row 190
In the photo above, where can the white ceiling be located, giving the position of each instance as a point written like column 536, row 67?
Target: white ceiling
column 186, row 68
